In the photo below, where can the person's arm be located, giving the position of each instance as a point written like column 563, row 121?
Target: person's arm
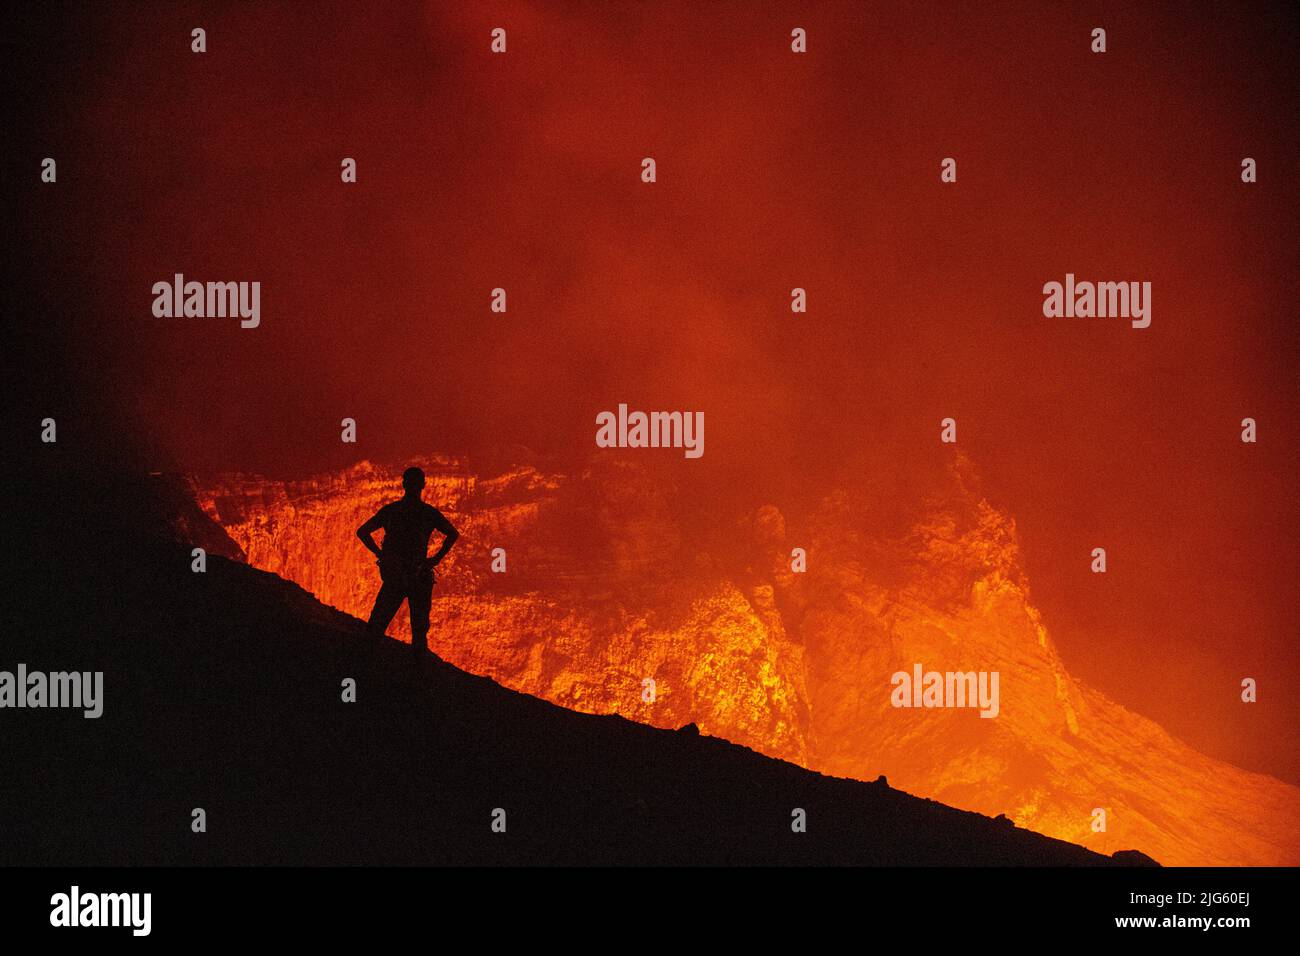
column 450, row 534
column 365, row 532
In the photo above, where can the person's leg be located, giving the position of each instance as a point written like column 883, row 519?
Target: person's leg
column 419, row 600
column 386, row 605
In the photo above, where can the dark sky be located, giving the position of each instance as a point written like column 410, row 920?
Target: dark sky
column 774, row 171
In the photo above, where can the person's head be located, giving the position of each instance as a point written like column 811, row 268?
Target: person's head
column 413, row 481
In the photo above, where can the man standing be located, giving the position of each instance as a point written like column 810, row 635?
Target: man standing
column 404, row 562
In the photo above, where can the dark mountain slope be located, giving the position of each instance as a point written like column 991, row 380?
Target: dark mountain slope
column 223, row 691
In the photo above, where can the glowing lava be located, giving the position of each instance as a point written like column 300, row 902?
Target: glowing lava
column 598, row 598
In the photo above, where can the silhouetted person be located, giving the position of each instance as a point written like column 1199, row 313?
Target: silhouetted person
column 404, row 562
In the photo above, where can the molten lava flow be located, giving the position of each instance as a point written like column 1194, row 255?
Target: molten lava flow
column 796, row 666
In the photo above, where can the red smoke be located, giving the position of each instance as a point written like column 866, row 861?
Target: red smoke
column 775, row 170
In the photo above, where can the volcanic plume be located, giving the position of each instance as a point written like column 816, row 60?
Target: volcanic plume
column 601, row 595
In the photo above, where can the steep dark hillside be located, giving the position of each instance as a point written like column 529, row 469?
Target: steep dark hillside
column 223, row 691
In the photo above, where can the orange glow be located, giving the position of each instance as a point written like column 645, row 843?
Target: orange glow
column 597, row 598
